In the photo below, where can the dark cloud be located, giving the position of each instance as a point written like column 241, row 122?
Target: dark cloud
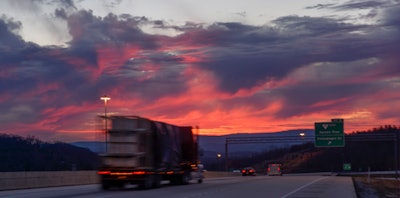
column 320, row 6
column 245, row 56
column 314, row 63
column 69, row 4
column 121, row 33
column 85, row 27
column 392, row 16
column 89, row 32
column 151, row 84
column 373, row 7
column 351, row 5
column 8, row 38
column 391, row 47
column 299, row 100
column 61, row 13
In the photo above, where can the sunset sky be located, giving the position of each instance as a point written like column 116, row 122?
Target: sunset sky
column 226, row 66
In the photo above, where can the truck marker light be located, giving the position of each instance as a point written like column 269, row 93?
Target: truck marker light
column 118, row 173
column 138, row 173
column 103, row 172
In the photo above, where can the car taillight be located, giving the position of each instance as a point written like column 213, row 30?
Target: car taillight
column 243, row 171
column 251, row 171
column 269, row 169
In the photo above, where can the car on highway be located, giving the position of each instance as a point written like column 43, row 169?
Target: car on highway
column 248, row 171
column 274, row 169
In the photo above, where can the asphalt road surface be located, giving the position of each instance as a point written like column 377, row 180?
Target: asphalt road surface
column 230, row 187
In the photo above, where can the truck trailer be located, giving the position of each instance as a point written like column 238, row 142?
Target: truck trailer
column 145, row 152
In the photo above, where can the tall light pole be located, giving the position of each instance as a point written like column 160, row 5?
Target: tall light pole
column 219, row 166
column 105, row 98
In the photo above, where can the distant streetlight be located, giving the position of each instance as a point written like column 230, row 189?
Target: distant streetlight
column 219, row 155
column 105, row 98
column 302, row 134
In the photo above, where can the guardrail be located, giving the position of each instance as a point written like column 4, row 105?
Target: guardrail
column 24, row 180
column 21, row 180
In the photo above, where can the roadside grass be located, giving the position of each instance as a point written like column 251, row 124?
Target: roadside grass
column 376, row 187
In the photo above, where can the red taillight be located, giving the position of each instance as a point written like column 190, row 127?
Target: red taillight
column 279, row 169
column 251, row 171
column 103, row 172
column 139, row 173
column 269, row 169
column 243, row 171
column 121, row 173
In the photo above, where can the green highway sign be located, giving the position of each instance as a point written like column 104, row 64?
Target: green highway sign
column 329, row 134
column 347, row 167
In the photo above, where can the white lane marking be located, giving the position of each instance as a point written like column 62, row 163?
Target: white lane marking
column 304, row 186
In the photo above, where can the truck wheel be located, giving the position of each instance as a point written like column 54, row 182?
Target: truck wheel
column 185, row 178
column 175, row 179
column 146, row 183
column 105, row 185
column 120, row 185
column 157, row 181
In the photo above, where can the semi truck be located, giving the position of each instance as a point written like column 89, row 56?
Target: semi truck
column 145, row 152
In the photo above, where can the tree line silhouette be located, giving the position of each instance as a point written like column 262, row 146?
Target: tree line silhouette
column 30, row 154
column 363, row 150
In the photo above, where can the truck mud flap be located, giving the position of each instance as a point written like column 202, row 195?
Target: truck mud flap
column 157, row 181
column 151, row 181
column 181, row 179
column 106, row 185
column 186, row 177
column 147, row 182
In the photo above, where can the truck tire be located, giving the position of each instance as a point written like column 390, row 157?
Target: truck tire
column 174, row 180
column 185, row 178
column 120, row 185
column 105, row 185
column 157, row 181
column 147, row 182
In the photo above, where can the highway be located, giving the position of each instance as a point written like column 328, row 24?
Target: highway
column 286, row 186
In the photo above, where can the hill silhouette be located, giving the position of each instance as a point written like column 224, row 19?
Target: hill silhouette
column 30, row 154
column 374, row 150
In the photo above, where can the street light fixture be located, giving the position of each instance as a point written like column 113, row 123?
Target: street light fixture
column 105, row 98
